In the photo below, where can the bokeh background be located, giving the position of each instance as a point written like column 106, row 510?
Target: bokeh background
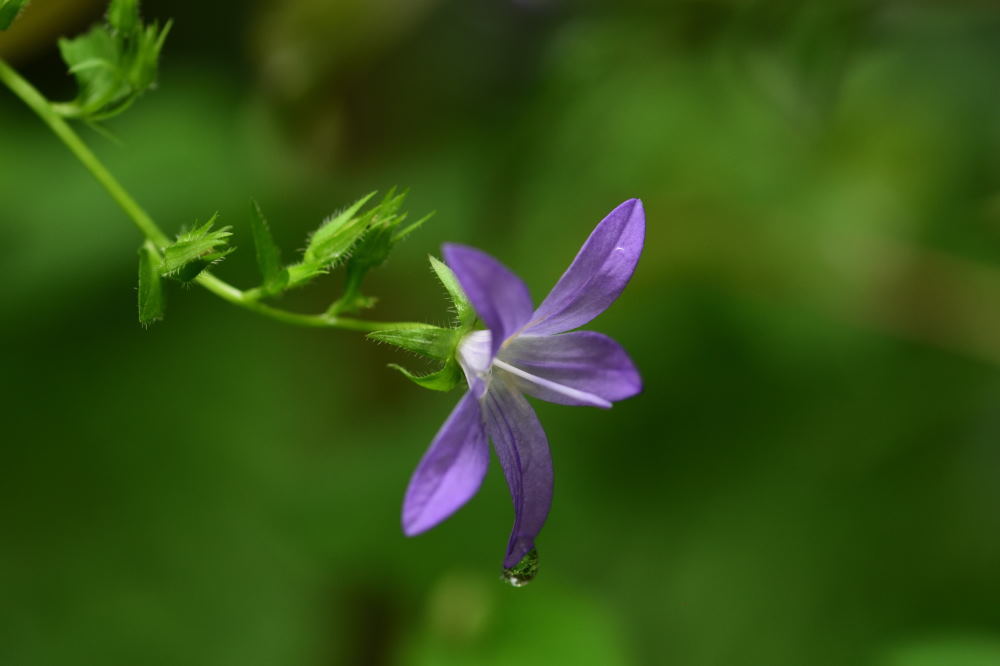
column 811, row 476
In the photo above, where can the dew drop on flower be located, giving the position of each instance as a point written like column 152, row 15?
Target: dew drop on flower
column 524, row 571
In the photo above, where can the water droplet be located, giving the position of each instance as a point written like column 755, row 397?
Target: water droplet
column 524, row 571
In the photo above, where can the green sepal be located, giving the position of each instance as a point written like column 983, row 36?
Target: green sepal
column 151, row 300
column 193, row 269
column 194, row 251
column 464, row 312
column 383, row 224
column 114, row 63
column 372, row 250
column 382, row 231
column 331, row 243
column 445, row 379
column 9, row 10
column 424, row 339
column 275, row 276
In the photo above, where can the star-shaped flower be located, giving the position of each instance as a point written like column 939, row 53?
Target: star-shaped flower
column 526, row 351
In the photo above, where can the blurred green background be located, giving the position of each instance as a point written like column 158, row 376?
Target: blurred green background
column 810, row 477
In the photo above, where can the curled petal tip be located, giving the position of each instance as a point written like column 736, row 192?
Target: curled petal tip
column 523, row 451
column 516, row 551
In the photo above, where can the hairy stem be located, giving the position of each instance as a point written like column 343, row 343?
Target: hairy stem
column 248, row 300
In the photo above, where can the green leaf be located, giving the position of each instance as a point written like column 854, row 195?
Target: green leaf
column 464, row 311
column 445, row 379
column 151, row 301
column 95, row 62
column 195, row 250
column 424, row 339
column 114, row 63
column 9, row 9
column 123, row 15
column 275, row 276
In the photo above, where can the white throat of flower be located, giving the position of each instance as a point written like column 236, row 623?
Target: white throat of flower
column 474, row 357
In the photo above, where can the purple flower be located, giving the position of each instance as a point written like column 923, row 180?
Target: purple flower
column 526, row 351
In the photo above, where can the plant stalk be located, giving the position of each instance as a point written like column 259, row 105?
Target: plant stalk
column 247, row 300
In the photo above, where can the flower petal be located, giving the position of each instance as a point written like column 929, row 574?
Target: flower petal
column 450, row 472
column 500, row 298
column 523, row 450
column 597, row 275
column 559, row 368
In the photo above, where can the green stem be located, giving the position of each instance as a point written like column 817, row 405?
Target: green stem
column 41, row 106
column 352, row 290
column 248, row 300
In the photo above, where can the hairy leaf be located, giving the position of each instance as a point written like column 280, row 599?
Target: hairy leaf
column 151, row 300
column 275, row 276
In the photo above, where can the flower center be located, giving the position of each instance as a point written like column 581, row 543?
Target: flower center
column 474, row 354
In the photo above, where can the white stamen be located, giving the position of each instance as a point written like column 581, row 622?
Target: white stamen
column 567, row 391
